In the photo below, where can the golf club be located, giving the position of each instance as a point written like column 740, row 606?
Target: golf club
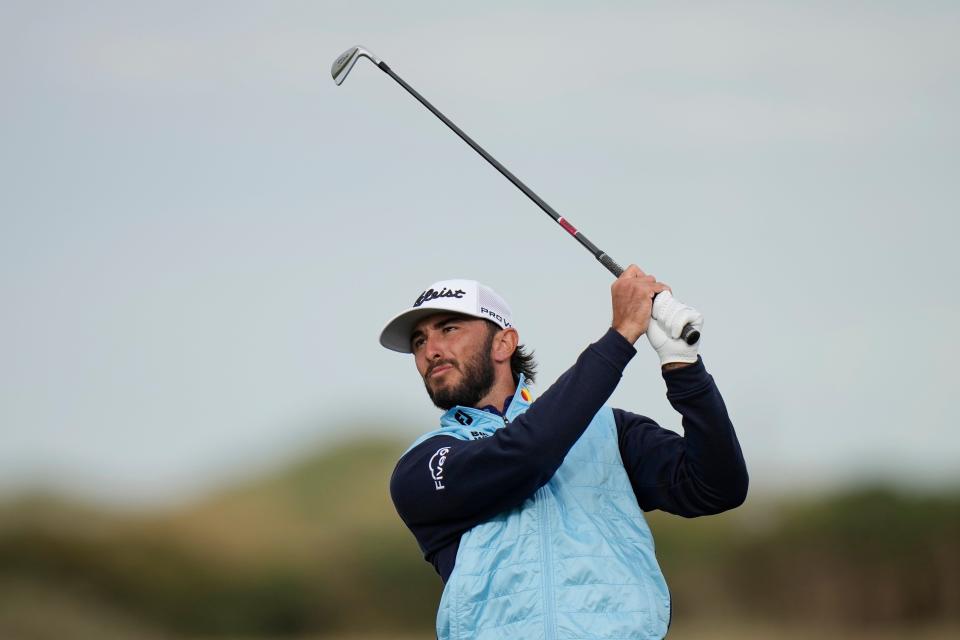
column 342, row 67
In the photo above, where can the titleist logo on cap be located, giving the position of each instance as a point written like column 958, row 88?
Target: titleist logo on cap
column 431, row 294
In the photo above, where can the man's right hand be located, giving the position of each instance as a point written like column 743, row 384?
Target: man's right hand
column 632, row 295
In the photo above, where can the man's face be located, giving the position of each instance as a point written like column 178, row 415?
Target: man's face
column 453, row 357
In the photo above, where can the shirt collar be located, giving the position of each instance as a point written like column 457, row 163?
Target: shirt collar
column 512, row 406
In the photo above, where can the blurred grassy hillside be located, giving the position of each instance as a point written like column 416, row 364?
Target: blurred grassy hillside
column 316, row 550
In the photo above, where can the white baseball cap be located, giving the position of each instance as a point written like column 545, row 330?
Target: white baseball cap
column 468, row 297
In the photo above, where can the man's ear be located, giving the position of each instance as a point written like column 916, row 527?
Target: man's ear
column 504, row 344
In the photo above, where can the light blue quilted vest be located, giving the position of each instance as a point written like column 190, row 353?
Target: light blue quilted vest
column 575, row 560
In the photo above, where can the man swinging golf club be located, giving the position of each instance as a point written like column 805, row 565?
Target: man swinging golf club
column 532, row 512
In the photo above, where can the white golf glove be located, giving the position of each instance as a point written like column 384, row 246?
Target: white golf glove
column 668, row 318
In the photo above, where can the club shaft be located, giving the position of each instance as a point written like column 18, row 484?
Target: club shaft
column 689, row 334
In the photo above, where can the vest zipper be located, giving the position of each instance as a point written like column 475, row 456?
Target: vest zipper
column 546, row 557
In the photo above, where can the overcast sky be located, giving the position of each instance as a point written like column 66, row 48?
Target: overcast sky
column 201, row 235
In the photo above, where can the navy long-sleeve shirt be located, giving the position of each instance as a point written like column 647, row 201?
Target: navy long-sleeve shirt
column 700, row 473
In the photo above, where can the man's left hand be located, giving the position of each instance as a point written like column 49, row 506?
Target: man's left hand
column 667, row 321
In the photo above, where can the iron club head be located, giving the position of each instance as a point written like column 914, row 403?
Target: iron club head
column 345, row 61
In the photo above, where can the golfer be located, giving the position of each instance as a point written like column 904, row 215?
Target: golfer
column 532, row 511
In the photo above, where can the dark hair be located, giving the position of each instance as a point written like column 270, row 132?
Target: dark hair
column 521, row 361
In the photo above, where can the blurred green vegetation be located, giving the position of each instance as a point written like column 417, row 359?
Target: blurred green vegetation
column 315, row 550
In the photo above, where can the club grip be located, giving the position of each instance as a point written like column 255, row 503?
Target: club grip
column 610, row 264
column 688, row 334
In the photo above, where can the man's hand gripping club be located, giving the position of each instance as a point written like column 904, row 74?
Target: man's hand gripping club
column 636, row 312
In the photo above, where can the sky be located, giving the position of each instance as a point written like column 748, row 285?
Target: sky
column 201, row 236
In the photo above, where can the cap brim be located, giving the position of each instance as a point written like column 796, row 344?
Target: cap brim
column 396, row 334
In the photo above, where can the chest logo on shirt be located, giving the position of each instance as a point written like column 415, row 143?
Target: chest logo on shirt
column 436, row 467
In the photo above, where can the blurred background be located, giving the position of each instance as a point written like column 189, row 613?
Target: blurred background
column 201, row 237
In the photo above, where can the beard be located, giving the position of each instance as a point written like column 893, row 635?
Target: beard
column 476, row 380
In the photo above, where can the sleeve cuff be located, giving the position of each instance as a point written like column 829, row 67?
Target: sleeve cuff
column 686, row 380
column 615, row 349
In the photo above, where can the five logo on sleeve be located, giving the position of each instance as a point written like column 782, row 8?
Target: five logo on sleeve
column 436, row 467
